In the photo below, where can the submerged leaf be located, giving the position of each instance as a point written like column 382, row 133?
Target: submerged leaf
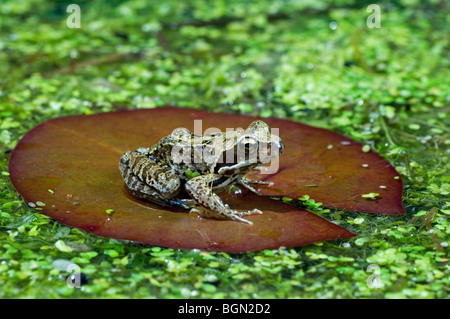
column 77, row 158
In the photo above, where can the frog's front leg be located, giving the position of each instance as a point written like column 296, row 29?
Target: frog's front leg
column 147, row 180
column 200, row 189
column 226, row 169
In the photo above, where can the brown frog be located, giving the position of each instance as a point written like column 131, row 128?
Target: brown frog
column 186, row 171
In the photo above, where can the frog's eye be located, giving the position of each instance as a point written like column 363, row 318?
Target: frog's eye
column 247, row 145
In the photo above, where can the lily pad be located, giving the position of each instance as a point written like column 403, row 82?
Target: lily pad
column 70, row 165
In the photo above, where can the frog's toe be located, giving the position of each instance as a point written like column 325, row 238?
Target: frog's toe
column 261, row 168
column 250, row 188
column 196, row 210
column 251, row 212
column 182, row 203
column 233, row 215
column 252, row 181
column 257, row 211
column 239, row 218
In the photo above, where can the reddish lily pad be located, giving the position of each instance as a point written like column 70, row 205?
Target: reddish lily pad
column 71, row 165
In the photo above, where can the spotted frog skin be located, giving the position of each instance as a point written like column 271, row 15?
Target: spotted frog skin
column 218, row 160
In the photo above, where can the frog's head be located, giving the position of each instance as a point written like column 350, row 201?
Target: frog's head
column 258, row 144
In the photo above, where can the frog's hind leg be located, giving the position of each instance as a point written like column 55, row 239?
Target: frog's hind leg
column 142, row 190
column 152, row 173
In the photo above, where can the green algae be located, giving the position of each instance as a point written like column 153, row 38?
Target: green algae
column 387, row 88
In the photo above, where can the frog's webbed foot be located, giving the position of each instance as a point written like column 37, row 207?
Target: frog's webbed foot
column 139, row 189
column 210, row 204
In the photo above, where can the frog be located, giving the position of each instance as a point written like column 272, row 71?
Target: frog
column 216, row 161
